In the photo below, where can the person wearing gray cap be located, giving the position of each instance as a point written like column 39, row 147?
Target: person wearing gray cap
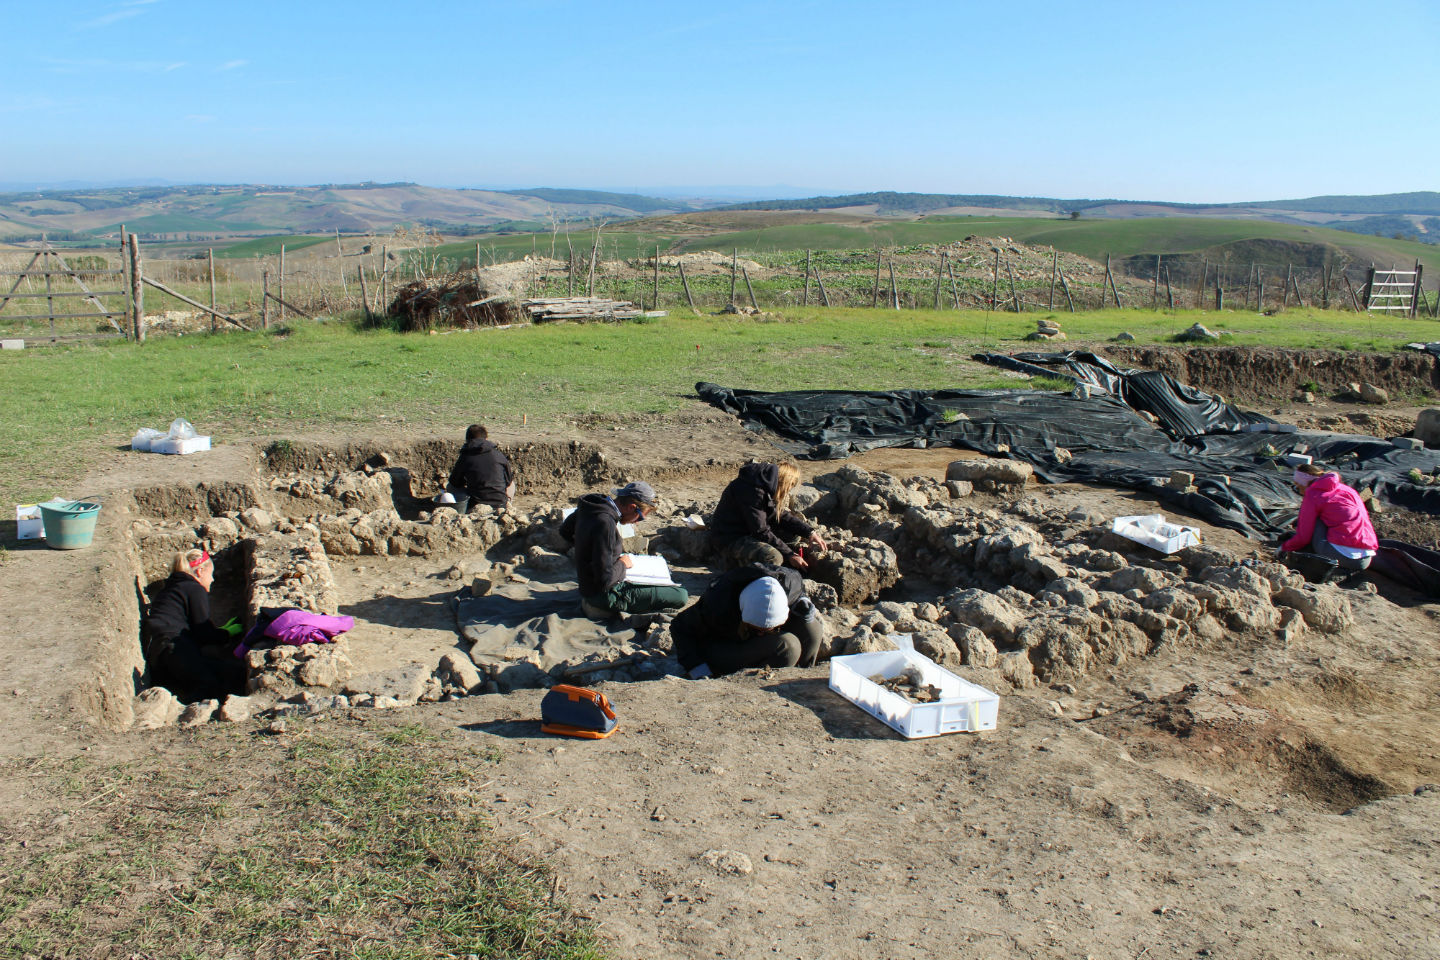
column 753, row 616
column 600, row 561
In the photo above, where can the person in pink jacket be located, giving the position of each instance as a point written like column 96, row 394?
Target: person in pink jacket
column 1333, row 521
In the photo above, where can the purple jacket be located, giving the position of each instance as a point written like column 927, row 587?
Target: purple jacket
column 295, row 627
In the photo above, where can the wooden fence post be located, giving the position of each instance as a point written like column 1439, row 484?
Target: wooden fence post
column 1014, row 297
column 264, row 299
column 364, row 292
column 1155, row 287
column 1416, row 292
column 1169, row 293
column 655, row 296
column 1065, row 285
column 213, row 324
column 995, row 281
column 751, row 289
column 1289, row 272
column 1105, row 283
column 282, row 282
column 939, row 272
column 875, row 290
column 805, row 298
column 686, row 284
column 1054, row 269
column 734, row 259
column 824, row 294
column 894, row 290
column 137, row 289
column 954, row 290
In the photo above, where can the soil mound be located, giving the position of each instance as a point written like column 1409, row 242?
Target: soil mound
column 1264, row 373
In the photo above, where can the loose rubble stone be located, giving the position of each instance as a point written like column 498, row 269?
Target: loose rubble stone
column 257, row 520
column 728, row 862
column 458, row 670
column 197, row 713
column 1427, row 426
column 236, row 708
column 156, row 707
column 1369, row 393
column 990, row 472
column 1144, row 579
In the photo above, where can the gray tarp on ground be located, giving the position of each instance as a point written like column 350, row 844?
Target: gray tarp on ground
column 519, row 628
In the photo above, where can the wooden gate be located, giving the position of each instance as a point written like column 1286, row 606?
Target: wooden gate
column 46, row 266
column 1393, row 291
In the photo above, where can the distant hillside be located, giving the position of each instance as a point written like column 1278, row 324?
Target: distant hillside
column 1409, row 215
column 218, row 212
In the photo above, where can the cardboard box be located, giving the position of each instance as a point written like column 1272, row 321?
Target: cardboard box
column 962, row 707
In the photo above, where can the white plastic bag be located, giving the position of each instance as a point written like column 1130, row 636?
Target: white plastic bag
column 144, row 437
column 181, row 429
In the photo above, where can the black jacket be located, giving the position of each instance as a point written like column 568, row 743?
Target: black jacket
column 483, row 472
column 747, row 509
column 594, row 530
column 715, row 618
column 181, row 612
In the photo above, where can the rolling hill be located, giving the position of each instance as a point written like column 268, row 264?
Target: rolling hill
column 224, row 212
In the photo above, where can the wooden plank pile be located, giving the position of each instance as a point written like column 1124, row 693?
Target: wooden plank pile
column 584, row 308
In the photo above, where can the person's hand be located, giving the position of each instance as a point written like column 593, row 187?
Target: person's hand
column 626, row 562
column 817, row 541
column 232, row 628
column 797, row 561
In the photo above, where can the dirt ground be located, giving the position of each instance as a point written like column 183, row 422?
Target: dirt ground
column 1232, row 801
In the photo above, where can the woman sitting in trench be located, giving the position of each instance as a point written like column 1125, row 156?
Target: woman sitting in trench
column 187, row 654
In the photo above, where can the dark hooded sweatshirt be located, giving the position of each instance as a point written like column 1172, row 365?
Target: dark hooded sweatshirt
column 594, row 530
column 747, row 509
column 714, row 619
column 182, row 609
column 483, row 472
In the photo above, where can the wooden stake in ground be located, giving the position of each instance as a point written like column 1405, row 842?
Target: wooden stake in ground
column 1110, row 279
column 655, row 295
column 1054, row 269
column 751, row 289
column 212, row 289
column 364, row 293
column 1065, row 285
column 894, row 290
column 1354, row 301
column 137, row 289
column 1014, row 297
column 995, row 281
column 824, row 294
column 1155, row 286
column 875, row 290
column 1169, row 293
column 939, row 273
column 265, row 300
column 805, row 299
column 686, row 284
column 282, row 281
column 954, row 290
column 1299, row 300
column 1289, row 273
column 734, row 259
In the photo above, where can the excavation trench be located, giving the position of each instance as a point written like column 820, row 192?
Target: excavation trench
column 1023, row 590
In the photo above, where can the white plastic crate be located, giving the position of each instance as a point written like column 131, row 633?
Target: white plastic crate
column 1153, row 530
column 172, row 445
column 962, row 707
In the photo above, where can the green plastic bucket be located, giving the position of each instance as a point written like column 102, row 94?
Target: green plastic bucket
column 69, row 526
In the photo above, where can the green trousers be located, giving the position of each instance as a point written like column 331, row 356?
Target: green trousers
column 638, row 598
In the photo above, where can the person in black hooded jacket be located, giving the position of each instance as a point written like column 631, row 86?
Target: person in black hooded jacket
column 753, row 616
column 187, row 654
column 752, row 525
column 482, row 473
column 600, row 561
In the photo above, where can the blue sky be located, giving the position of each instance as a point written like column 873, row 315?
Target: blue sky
column 1219, row 101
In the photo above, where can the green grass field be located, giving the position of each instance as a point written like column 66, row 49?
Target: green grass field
column 268, row 246
column 267, row 384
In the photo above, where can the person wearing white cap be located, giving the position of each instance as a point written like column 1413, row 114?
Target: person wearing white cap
column 753, row 616
column 600, row 561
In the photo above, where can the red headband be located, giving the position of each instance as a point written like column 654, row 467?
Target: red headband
column 196, row 564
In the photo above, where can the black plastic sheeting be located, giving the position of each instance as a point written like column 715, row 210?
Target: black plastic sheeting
column 1241, row 482
column 1182, row 411
column 833, row 424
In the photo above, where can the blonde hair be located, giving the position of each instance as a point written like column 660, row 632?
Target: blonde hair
column 188, row 561
column 1311, row 469
column 786, row 477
